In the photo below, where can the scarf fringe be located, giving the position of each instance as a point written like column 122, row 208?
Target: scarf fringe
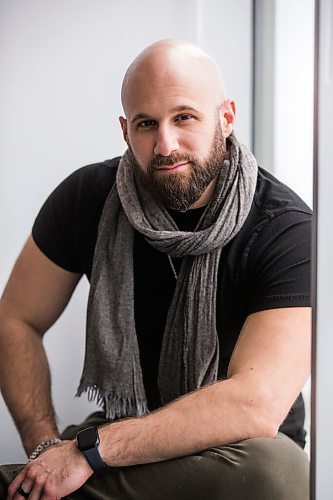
column 115, row 406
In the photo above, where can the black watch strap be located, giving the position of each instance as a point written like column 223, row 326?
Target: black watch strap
column 94, row 459
column 87, row 441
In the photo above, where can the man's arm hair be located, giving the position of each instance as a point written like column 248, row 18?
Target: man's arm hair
column 36, row 294
column 269, row 366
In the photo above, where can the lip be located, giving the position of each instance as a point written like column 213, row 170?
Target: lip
column 175, row 166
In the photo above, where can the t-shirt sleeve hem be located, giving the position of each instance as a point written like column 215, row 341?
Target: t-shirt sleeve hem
column 279, row 302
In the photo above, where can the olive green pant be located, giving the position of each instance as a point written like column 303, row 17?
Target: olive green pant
column 254, row 469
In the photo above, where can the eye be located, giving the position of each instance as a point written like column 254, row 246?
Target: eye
column 184, row 117
column 146, row 124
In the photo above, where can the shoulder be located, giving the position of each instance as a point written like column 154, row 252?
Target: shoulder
column 275, row 207
column 95, row 178
column 66, row 226
column 273, row 197
column 80, row 192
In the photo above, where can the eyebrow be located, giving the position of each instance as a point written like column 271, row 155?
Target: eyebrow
column 177, row 109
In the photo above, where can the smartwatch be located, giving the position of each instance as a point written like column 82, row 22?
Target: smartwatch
column 87, row 441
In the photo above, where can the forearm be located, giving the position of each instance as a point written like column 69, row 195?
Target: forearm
column 215, row 415
column 25, row 383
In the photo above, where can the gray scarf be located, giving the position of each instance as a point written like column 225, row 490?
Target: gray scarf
column 189, row 356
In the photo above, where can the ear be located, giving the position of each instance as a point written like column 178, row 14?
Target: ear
column 227, row 117
column 123, row 124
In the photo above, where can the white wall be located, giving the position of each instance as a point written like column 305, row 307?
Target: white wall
column 284, row 91
column 62, row 62
column 294, row 93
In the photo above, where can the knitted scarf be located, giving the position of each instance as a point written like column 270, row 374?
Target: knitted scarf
column 189, row 356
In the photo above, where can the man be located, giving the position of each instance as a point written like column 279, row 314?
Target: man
column 198, row 325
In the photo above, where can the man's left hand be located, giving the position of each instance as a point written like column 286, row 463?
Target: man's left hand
column 56, row 473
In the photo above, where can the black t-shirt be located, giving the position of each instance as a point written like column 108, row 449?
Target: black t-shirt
column 266, row 265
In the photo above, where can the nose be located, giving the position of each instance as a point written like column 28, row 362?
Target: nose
column 166, row 142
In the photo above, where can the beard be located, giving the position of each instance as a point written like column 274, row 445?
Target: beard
column 178, row 191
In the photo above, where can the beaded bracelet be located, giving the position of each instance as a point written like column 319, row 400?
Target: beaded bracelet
column 42, row 446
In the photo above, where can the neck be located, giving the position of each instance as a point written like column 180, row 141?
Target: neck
column 206, row 195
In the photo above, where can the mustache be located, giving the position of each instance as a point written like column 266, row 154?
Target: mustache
column 162, row 161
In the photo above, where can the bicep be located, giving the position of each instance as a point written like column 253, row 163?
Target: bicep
column 273, row 355
column 38, row 290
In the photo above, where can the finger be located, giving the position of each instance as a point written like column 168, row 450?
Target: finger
column 24, row 482
column 25, row 488
column 38, row 486
column 21, row 493
column 12, row 488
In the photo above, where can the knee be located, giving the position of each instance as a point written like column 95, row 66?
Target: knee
column 275, row 469
column 258, row 469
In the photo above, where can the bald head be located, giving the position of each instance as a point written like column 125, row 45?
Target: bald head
column 177, row 114
column 167, row 62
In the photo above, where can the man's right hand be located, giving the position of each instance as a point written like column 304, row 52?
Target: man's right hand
column 57, row 473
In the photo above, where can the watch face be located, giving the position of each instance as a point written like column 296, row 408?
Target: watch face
column 87, row 439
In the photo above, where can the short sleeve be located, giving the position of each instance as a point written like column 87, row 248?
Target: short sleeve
column 278, row 271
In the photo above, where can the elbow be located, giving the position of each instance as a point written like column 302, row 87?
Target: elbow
column 269, row 430
column 261, row 426
column 262, row 414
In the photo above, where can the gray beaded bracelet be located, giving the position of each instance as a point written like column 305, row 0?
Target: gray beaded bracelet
column 42, row 446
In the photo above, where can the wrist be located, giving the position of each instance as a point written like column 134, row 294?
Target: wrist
column 43, row 446
column 80, row 460
column 87, row 442
column 32, row 444
column 35, row 434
